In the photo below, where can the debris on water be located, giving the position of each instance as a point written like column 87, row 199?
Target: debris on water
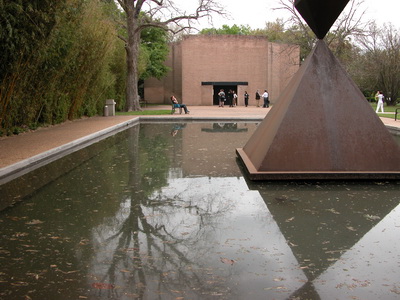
column 102, row 286
column 227, row 261
column 34, row 222
column 282, row 198
column 371, row 217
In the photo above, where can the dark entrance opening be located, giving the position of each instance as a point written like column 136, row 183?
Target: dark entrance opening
column 226, row 86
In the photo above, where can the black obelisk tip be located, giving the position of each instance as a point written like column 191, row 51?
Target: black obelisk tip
column 320, row 14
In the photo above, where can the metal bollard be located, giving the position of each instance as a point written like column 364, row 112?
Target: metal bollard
column 106, row 111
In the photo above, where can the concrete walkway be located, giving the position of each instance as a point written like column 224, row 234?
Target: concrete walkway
column 17, row 152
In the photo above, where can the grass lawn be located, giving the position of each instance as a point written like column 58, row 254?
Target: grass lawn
column 150, row 112
column 387, row 109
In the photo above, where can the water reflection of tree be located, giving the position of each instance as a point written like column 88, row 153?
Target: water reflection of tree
column 149, row 257
column 145, row 252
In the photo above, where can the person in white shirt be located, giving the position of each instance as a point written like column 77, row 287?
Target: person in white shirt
column 266, row 98
column 380, row 102
column 235, row 102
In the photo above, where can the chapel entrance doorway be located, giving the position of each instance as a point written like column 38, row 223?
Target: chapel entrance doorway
column 226, row 88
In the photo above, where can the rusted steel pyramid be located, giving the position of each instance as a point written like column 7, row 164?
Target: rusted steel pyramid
column 321, row 127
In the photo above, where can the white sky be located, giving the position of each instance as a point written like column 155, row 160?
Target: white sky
column 256, row 12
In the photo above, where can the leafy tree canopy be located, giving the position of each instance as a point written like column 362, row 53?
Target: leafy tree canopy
column 226, row 29
column 153, row 53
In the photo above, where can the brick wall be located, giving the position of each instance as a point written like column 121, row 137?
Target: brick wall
column 223, row 58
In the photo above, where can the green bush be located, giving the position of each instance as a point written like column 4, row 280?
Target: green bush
column 68, row 72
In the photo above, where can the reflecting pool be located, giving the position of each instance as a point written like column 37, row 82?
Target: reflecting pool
column 162, row 211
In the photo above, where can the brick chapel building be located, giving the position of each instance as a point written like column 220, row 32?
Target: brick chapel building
column 201, row 65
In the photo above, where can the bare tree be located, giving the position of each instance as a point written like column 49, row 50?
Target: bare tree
column 381, row 60
column 141, row 14
column 349, row 24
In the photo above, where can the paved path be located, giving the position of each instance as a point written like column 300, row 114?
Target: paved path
column 30, row 145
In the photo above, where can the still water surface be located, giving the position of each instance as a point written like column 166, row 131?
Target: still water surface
column 162, row 211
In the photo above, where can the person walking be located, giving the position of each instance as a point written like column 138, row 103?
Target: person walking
column 266, row 99
column 380, row 101
column 246, row 99
column 258, row 97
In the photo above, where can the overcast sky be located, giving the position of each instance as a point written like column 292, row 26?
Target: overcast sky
column 256, row 12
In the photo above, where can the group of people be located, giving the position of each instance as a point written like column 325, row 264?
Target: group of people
column 232, row 98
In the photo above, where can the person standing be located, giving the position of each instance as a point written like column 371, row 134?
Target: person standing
column 258, row 97
column 266, row 99
column 246, row 99
column 380, row 101
column 221, row 98
column 235, row 97
column 230, row 98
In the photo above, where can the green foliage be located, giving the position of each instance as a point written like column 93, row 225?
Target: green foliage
column 24, row 24
column 67, row 71
column 153, row 53
column 274, row 31
column 234, row 30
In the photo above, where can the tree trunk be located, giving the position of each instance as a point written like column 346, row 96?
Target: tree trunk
column 132, row 54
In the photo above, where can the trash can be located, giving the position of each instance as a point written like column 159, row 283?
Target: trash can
column 110, row 103
column 106, row 111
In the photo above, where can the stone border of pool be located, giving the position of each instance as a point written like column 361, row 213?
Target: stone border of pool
column 27, row 165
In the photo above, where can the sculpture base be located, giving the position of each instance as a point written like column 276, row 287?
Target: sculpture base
column 253, row 174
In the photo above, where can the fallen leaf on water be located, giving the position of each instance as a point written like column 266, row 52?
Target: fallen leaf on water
column 67, row 272
column 19, row 283
column 332, row 210
column 371, row 217
column 281, row 198
column 34, row 222
column 19, row 234
column 102, row 286
column 227, row 261
column 279, row 279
